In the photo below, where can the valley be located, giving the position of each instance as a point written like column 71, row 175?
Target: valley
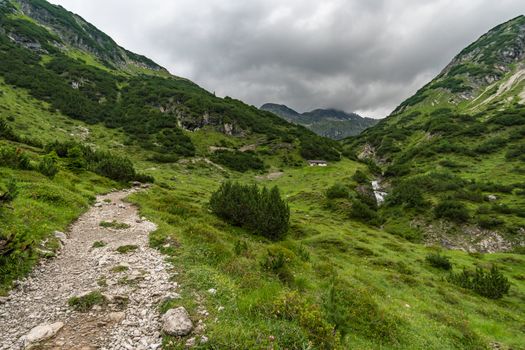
column 412, row 236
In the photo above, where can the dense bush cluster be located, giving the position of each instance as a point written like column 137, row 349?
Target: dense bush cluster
column 80, row 157
column 239, row 161
column 491, row 284
column 439, row 261
column 452, row 210
column 261, row 211
column 337, row 191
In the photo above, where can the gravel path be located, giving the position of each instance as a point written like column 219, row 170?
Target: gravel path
column 130, row 320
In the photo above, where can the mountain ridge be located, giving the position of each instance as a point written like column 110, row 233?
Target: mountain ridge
column 329, row 122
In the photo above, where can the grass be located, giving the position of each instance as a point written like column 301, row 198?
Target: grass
column 114, row 225
column 41, row 207
column 86, row 302
column 98, row 244
column 405, row 297
column 119, row 269
column 125, row 249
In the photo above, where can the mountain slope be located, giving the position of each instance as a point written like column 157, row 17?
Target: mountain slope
column 330, row 123
column 66, row 62
column 461, row 139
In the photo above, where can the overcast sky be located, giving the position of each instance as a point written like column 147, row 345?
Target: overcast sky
column 355, row 55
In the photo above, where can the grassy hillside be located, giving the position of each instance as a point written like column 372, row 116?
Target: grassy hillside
column 460, row 141
column 376, row 288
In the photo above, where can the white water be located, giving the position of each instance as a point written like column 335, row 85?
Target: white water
column 378, row 193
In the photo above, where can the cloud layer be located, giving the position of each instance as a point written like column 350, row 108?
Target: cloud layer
column 365, row 56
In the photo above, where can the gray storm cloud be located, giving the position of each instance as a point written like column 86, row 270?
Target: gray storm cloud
column 355, row 55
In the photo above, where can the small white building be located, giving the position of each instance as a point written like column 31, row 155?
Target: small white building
column 318, row 163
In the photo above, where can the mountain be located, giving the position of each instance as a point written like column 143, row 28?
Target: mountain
column 330, row 123
column 254, row 249
column 63, row 61
column 459, row 143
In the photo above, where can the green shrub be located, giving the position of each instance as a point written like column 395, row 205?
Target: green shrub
column 291, row 306
column 490, row 284
column 14, row 158
column 76, row 161
column 439, row 261
column 48, row 165
column 10, row 193
column 407, row 194
column 337, row 191
column 115, row 168
column 240, row 247
column 360, row 177
column 488, row 222
column 353, row 311
column 239, row 161
column 452, row 210
column 275, row 261
column 363, row 212
column 261, row 211
column 86, row 302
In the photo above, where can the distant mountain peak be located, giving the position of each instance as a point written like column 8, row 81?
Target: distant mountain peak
column 329, row 122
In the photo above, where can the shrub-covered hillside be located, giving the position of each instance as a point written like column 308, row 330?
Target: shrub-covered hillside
column 62, row 60
column 455, row 150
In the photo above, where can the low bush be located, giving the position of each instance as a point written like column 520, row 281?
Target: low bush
column 81, row 157
column 10, row 192
column 291, row 306
column 363, row 212
column 48, row 165
column 439, row 261
column 360, row 177
column 490, row 284
column 239, row 161
column 14, row 158
column 407, row 194
column 488, row 222
column 261, row 211
column 353, row 311
column 452, row 210
column 337, row 191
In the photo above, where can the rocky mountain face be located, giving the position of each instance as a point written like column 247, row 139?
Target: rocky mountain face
column 330, row 123
column 75, row 32
column 460, row 142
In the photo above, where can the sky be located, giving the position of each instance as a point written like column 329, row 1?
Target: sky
column 363, row 56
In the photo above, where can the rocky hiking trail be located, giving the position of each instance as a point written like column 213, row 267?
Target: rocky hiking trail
column 131, row 283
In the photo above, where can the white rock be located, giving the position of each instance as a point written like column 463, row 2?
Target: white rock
column 42, row 332
column 117, row 316
column 492, row 197
column 212, row 291
column 190, row 342
column 204, row 339
column 177, row 322
column 61, row 236
column 98, row 205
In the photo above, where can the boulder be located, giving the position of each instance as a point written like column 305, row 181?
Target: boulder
column 177, row 322
column 42, row 332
